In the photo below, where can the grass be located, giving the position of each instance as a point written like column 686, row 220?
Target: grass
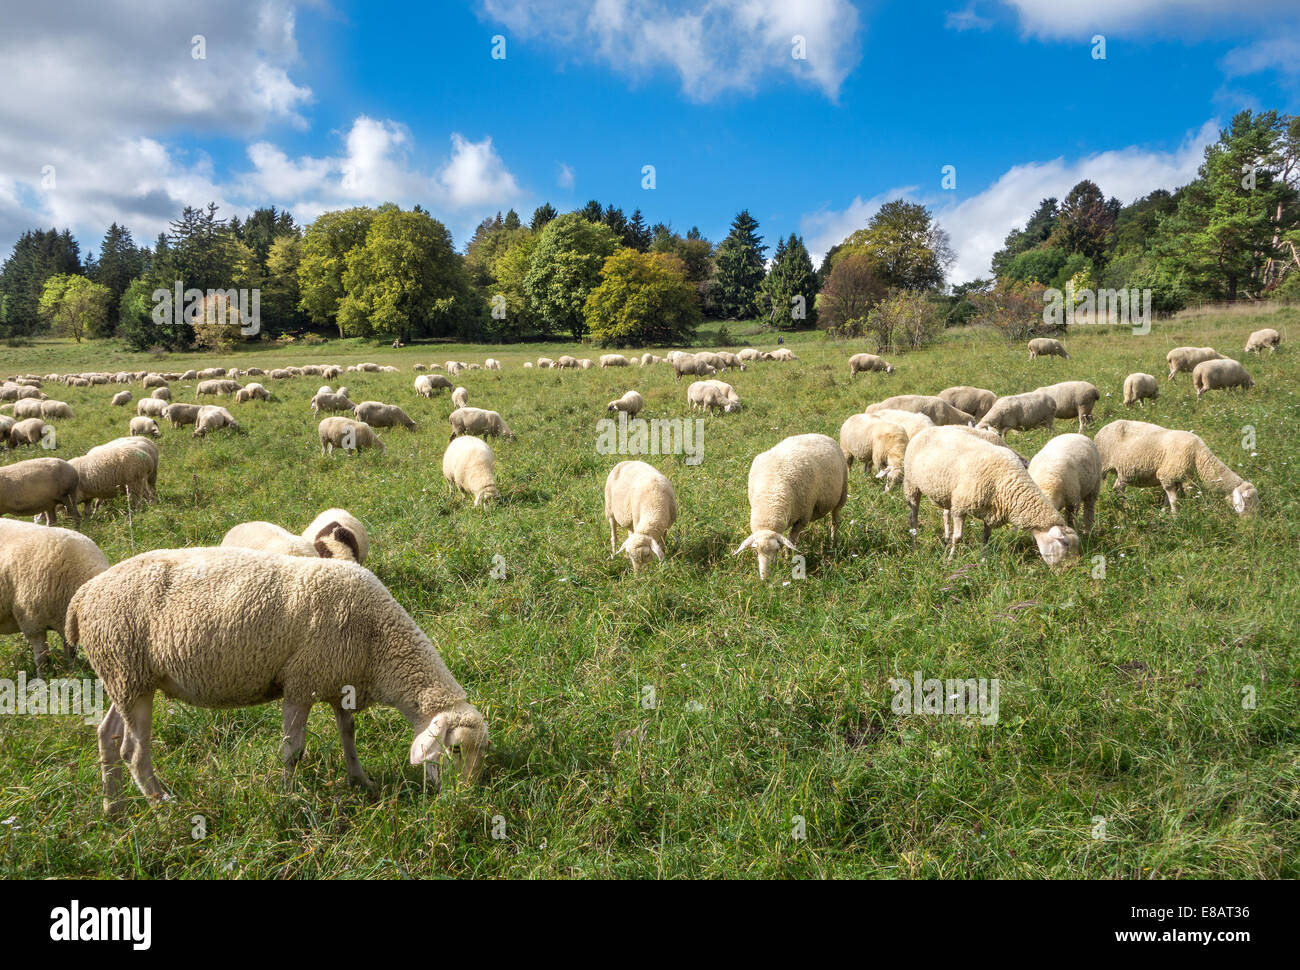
column 1121, row 698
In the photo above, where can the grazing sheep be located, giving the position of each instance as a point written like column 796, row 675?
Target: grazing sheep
column 28, row 393
column 1213, row 375
column 459, row 397
column 790, row 486
column 909, row 421
column 55, row 410
column 31, row 408
column 781, row 353
column 860, row 363
column 210, row 388
column 545, row 363
column 975, row 401
column 729, row 360
column 121, row 399
column 631, row 402
column 255, row 372
column 613, row 360
column 29, row 432
column 250, row 392
column 492, row 364
column 648, row 359
column 189, row 375
column 213, row 418
column 586, row 364
column 209, row 372
column 154, row 380
column 1046, row 347
column 876, row 442
column 38, row 487
column 145, row 427
column 336, row 543
column 280, row 374
column 236, row 628
column 748, row 354
column 639, row 498
column 478, row 422
column 423, row 386
column 566, row 363
column 1268, row 337
column 40, row 570
column 6, row 426
column 528, row 365
column 151, row 407
column 180, row 415
column 380, row 415
column 333, row 520
column 127, row 465
column 935, row 408
column 1074, row 399
column 691, row 364
column 419, row 367
column 1186, row 358
column 1020, row 412
column 469, row 465
column 1139, row 387
column 161, row 393
column 969, row 477
column 347, row 434
column 714, row 396
column 1147, row 455
column 331, row 402
column 1068, row 470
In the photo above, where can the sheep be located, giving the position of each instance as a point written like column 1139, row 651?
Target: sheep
column 469, row 466
column 860, row 363
column 1068, row 470
column 967, row 476
column 690, row 364
column 1020, row 412
column 781, row 353
column 876, row 442
column 419, row 367
column 30, row 431
column 31, row 408
column 27, row 393
column 311, row 370
column 280, row 374
column 368, row 368
column 1074, row 399
column 189, row 375
column 209, row 388
column 180, row 415
column 40, row 570
column 714, row 396
column 639, row 498
column 38, row 487
column 909, row 421
column 250, row 392
column 212, row 418
column 528, row 364
column 935, row 408
column 1138, row 387
column 336, row 543
column 423, row 387
column 347, row 434
column 127, row 465
column 333, row 521
column 121, row 399
column 1046, row 347
column 236, row 628
column 631, row 403
column 975, row 401
column 6, row 426
column 380, row 415
column 150, row 407
column 1147, row 455
column 1268, row 337
column 613, row 360
column 729, row 360
column 478, row 422
column 1186, row 358
column 459, row 397
column 748, row 354
column 256, row 372
column 543, row 363
column 492, row 364
column 713, row 360
column 566, row 363
column 145, row 427
column 1211, row 375
column 648, row 359
column 154, row 380
column 791, row 485
column 331, row 402
column 209, row 372
column 586, row 363
column 161, row 394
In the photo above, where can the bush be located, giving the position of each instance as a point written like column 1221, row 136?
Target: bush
column 644, row 298
column 904, row 321
column 1014, row 309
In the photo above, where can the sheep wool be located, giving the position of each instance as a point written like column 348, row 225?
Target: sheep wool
column 1268, row 337
column 631, row 403
column 351, row 436
column 1046, row 347
column 380, row 415
column 38, row 487
column 469, row 466
column 333, row 520
column 975, row 401
column 860, row 363
column 876, row 442
column 1068, row 470
column 1186, row 358
column 478, row 422
column 1221, row 374
column 935, row 408
column 1074, row 399
column 641, row 499
column 1140, row 387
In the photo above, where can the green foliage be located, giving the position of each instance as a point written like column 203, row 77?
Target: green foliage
column 118, row 263
column 325, row 248
column 907, row 248
column 644, row 299
column 906, row 320
column 1084, row 223
column 37, row 255
column 73, row 306
column 740, row 269
column 565, row 267
column 852, row 289
column 789, row 292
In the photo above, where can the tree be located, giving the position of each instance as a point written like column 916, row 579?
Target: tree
column 909, row 249
column 643, row 299
column 118, row 264
column 1084, row 223
column 543, row 214
column 636, row 235
column 73, row 306
column 1036, row 232
column 325, row 248
column 565, row 267
column 511, row 220
column 281, row 292
column 36, row 256
column 136, row 325
column 260, row 231
column 740, row 270
column 906, row 320
column 790, row 289
column 511, row 316
column 851, row 290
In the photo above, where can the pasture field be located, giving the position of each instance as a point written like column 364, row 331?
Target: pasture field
column 693, row 721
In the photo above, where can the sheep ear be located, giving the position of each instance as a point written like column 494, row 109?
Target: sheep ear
column 428, row 744
column 883, row 472
column 657, row 549
column 1056, row 532
column 785, row 541
column 744, row 545
column 623, row 547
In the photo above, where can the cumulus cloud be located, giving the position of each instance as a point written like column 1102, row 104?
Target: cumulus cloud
column 1072, row 18
column 713, row 46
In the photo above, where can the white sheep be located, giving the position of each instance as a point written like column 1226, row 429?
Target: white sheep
column 878, row 443
column 151, row 407
column 860, row 363
column 1074, row 399
column 909, row 421
column 145, row 427
column 641, row 499
column 212, row 418
column 969, row 477
column 1046, row 347
column 351, row 436
column 1138, row 387
column 459, row 397
column 161, row 394
column 748, row 354
column 478, row 422
column 935, row 408
column 40, row 570
column 336, row 543
column 1020, row 412
column 1147, row 455
column 121, row 399
column 613, row 360
column 38, row 487
column 228, row 628
column 631, row 403
column 424, row 387
column 469, row 465
column 690, row 364
column 380, row 415
column 491, row 364
column 1186, row 358
column 797, row 482
column 975, row 401
column 330, row 402
column 1068, row 470
column 1222, row 374
column 713, row 396
column 252, row 392
column 127, row 465
column 1268, row 337
column 30, row 431
column 179, row 415
column 333, row 521
column 781, row 353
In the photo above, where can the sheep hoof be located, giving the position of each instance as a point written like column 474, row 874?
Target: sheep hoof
column 362, row 781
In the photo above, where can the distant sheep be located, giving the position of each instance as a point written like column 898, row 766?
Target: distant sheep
column 251, row 392
column 210, row 388
column 478, row 422
column 459, row 397
column 613, row 360
column 121, row 399
column 860, row 363
column 1268, row 337
column 1222, row 374
column 690, row 364
column 876, row 442
column 630, row 403
column 179, row 415
column 349, row 435
column 330, row 403
column 1046, row 347
column 1140, row 387
column 380, row 415
column 713, row 396
column 1186, row 358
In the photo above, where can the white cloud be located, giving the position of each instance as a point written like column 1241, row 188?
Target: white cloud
column 476, row 176
column 827, row 227
column 714, row 46
column 1280, row 54
column 967, row 19
column 1074, row 18
column 565, row 179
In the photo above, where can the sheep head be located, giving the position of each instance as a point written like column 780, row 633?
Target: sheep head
column 459, row 735
column 1245, row 498
column 1057, row 544
column 641, row 548
column 767, row 545
column 487, row 497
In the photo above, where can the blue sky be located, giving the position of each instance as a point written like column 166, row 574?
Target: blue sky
column 314, row 106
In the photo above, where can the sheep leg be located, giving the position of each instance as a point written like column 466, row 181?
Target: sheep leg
column 137, row 747
column 988, row 533
column 1089, row 509
column 947, row 525
column 913, row 506
column 347, row 735
column 613, row 539
column 958, row 521
column 1068, row 512
column 110, row 733
column 294, row 737
column 835, row 524
column 1171, row 491
column 40, row 648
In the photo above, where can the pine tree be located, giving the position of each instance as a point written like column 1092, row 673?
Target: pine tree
column 543, row 214
column 637, row 236
column 740, row 268
column 119, row 262
column 790, row 290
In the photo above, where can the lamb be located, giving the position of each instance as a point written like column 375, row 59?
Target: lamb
column 975, row 401
column 1138, row 388
column 213, row 418
column 459, row 397
column 40, row 570
column 1147, row 455
column 38, row 487
column 337, row 543
column 333, row 520
column 967, row 476
column 331, row 402
column 690, row 364
column 127, row 465
column 1074, row 399
column 1046, row 347
column 1068, row 470
column 250, row 392
column 631, row 402
column 860, row 363
column 713, row 395
column 469, row 466
column 1211, row 375
column 181, row 414
column 1268, row 337
column 1020, row 412
column 380, row 415
column 31, row 431
column 209, row 388
column 478, row 422
column 876, row 442
column 121, row 399
column 347, row 434
column 151, row 407
column 613, row 360
column 145, row 427
column 935, row 408
column 639, row 498
column 1186, row 358
column 235, row 628
column 791, row 485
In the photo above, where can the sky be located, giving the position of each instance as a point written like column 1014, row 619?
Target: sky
column 109, row 113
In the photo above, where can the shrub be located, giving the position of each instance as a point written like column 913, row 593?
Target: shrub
column 644, row 298
column 904, row 321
